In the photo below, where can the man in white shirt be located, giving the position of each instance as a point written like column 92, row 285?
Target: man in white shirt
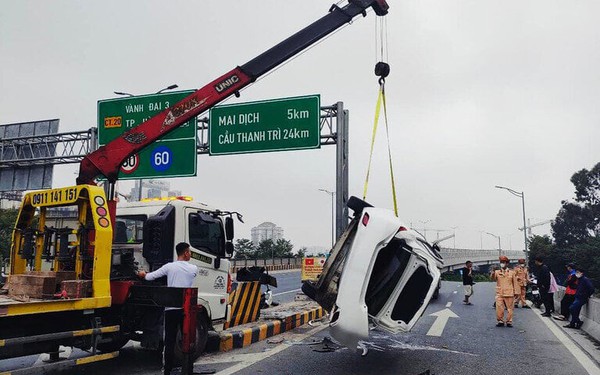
column 180, row 274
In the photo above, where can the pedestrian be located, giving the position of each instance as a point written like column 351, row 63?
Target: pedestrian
column 553, row 289
column 543, row 279
column 467, row 276
column 180, row 274
column 585, row 289
column 522, row 278
column 507, row 289
column 569, row 296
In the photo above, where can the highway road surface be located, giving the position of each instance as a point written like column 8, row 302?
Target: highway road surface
column 450, row 339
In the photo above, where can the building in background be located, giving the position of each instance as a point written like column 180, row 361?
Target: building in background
column 150, row 189
column 266, row 231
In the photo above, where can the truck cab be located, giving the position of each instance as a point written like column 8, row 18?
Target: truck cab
column 146, row 233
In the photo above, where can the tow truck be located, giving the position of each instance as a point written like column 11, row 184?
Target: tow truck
column 101, row 305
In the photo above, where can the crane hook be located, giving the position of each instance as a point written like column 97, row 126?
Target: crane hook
column 382, row 70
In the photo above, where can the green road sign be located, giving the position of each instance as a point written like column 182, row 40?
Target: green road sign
column 271, row 125
column 173, row 155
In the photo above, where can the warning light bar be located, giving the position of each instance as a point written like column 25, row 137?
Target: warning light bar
column 179, row 198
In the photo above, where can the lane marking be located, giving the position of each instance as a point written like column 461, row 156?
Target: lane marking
column 579, row 355
column 253, row 358
column 437, row 328
column 449, row 304
column 289, row 291
column 456, row 291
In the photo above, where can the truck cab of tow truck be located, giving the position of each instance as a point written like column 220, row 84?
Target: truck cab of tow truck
column 146, row 233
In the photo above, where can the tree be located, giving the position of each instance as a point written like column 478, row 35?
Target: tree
column 554, row 257
column 283, row 248
column 587, row 254
column 301, row 253
column 265, row 249
column 7, row 223
column 244, row 248
column 571, row 225
column 577, row 221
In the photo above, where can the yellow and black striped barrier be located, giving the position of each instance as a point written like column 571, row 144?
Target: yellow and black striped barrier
column 58, row 335
column 61, row 365
column 240, row 339
column 245, row 303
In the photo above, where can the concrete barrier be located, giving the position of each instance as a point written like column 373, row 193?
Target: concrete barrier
column 590, row 314
column 276, row 267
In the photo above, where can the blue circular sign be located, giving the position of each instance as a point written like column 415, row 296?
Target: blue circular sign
column 161, row 158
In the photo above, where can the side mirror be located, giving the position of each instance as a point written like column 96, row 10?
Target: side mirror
column 229, row 228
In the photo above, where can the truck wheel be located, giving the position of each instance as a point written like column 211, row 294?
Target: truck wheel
column 201, row 339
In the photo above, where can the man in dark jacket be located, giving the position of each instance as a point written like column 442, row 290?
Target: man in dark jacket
column 467, row 276
column 585, row 289
column 543, row 282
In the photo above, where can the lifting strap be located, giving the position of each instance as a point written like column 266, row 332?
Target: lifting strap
column 382, row 70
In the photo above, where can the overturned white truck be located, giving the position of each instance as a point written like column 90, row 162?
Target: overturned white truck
column 379, row 275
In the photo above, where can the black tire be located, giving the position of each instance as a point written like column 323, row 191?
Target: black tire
column 201, row 339
column 357, row 205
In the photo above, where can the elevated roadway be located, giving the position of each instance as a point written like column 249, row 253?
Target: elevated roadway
column 456, row 258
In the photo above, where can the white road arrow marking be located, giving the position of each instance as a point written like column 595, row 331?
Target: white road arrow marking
column 440, row 323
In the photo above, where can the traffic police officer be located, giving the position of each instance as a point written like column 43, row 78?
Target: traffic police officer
column 507, row 288
column 523, row 278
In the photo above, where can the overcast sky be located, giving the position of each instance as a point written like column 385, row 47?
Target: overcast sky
column 481, row 93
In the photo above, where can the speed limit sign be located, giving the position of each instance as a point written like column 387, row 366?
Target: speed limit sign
column 130, row 164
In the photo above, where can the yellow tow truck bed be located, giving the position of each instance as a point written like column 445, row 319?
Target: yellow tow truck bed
column 88, row 257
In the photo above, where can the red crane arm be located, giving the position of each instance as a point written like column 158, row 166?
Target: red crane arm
column 107, row 159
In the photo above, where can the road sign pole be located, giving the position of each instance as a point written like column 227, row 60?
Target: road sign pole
column 341, row 170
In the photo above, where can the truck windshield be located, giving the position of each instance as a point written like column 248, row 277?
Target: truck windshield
column 130, row 229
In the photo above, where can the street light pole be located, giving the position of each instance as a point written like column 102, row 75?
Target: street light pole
column 173, row 86
column 424, row 227
column 332, row 193
column 122, row 93
column 454, row 234
column 499, row 246
column 522, row 196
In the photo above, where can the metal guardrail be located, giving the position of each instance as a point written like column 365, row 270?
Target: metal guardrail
column 452, row 257
column 238, row 263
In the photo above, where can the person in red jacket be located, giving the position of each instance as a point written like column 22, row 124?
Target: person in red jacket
column 585, row 289
column 569, row 297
